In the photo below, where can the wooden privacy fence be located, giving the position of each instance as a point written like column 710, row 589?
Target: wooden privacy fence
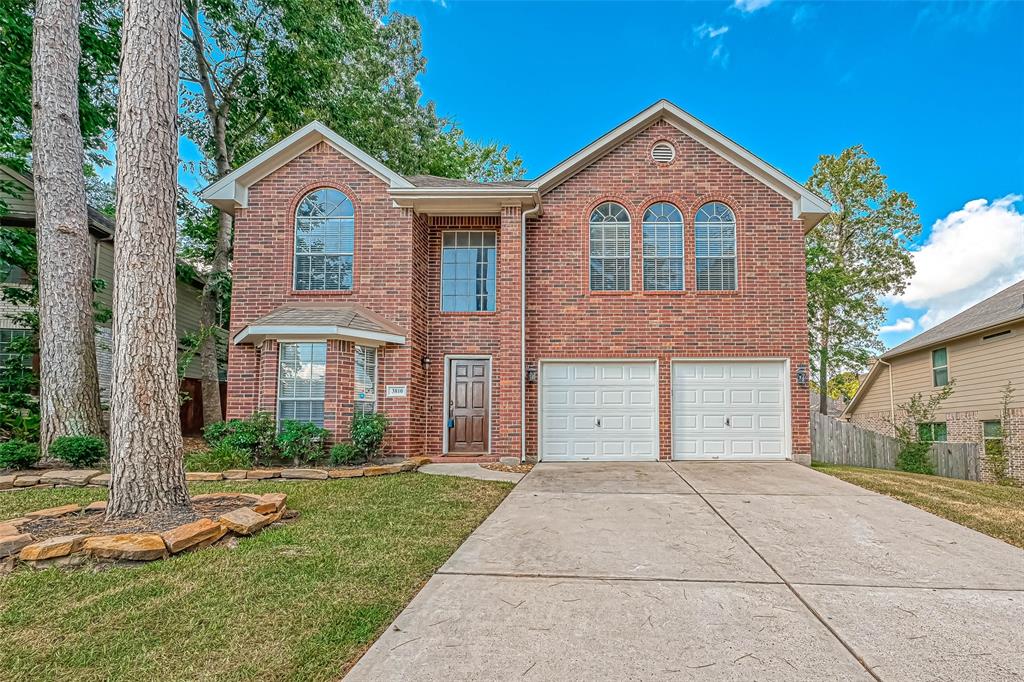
column 839, row 442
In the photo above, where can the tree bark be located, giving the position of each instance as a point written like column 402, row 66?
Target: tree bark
column 69, row 394
column 823, row 381
column 146, row 448
column 210, row 305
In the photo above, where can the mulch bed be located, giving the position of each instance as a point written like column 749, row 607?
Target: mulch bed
column 512, row 469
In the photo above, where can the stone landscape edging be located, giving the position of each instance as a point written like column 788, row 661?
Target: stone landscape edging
column 94, row 478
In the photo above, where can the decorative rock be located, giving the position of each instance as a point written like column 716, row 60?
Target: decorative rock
column 96, row 507
column 7, row 530
column 12, row 544
column 204, row 476
column 345, row 473
column 101, row 480
column 20, row 521
column 420, row 461
column 7, row 481
column 54, row 512
column 45, row 486
column 244, row 521
column 259, row 474
column 317, row 474
column 68, row 561
column 408, row 465
column 51, row 548
column 192, row 534
column 270, row 503
column 234, row 474
column 26, row 481
column 382, row 470
column 76, row 477
column 510, row 461
column 209, row 497
column 133, row 547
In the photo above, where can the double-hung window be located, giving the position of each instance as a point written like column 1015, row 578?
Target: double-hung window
column 932, row 432
column 12, row 360
column 366, row 380
column 715, row 242
column 468, row 268
column 609, row 248
column 301, row 382
column 940, row 367
column 663, row 248
column 324, row 241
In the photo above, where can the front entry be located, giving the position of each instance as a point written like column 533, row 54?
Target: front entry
column 469, row 422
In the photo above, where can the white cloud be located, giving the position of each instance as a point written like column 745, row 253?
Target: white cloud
column 970, row 254
column 904, row 324
column 706, row 30
column 713, row 37
column 748, row 6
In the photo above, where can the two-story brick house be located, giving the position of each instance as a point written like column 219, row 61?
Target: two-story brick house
column 642, row 300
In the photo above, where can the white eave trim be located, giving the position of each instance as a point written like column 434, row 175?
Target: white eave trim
column 807, row 205
column 256, row 334
column 232, row 191
column 464, row 200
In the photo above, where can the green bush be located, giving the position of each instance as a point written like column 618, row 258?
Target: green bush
column 220, row 457
column 915, row 458
column 368, row 431
column 302, row 441
column 346, row 453
column 79, row 451
column 17, row 454
column 256, row 435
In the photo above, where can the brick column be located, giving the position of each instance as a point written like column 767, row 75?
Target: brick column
column 506, row 371
column 339, row 388
column 267, row 359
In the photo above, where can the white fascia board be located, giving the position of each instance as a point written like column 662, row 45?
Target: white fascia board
column 463, row 200
column 257, row 333
column 806, row 204
column 232, row 191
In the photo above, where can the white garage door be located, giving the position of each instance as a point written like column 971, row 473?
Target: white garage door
column 730, row 410
column 598, row 411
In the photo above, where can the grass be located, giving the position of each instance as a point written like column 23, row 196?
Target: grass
column 299, row 601
column 990, row 509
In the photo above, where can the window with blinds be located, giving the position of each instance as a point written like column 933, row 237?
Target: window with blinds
column 663, row 248
column 366, row 380
column 468, row 268
column 300, row 382
column 324, row 241
column 609, row 248
column 715, row 243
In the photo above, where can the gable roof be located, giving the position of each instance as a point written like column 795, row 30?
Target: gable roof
column 1001, row 308
column 807, row 205
column 322, row 320
column 99, row 222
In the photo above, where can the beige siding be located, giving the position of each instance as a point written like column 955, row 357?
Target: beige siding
column 105, row 270
column 21, row 206
column 980, row 368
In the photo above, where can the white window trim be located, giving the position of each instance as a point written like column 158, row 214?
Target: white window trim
column 295, row 242
column 629, row 250
column 643, row 243
column 373, row 396
column 280, row 359
column 931, row 358
column 497, row 254
column 735, row 247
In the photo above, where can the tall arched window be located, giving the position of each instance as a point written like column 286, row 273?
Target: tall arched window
column 663, row 248
column 609, row 248
column 715, row 242
column 324, row 241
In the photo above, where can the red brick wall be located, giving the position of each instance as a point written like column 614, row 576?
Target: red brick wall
column 765, row 317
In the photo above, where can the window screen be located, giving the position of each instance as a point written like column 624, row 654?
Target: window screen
column 468, row 268
column 366, row 380
column 663, row 248
column 324, row 241
column 300, row 388
column 609, row 248
column 715, row 241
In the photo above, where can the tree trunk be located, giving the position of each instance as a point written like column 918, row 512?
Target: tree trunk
column 146, row 473
column 69, row 394
column 210, row 305
column 823, row 380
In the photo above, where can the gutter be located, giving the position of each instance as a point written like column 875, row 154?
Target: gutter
column 522, row 333
column 892, row 400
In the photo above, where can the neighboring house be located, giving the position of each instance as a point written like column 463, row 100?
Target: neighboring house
column 982, row 349
column 21, row 213
column 835, row 405
column 664, row 314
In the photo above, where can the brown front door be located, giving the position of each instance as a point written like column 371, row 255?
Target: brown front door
column 468, row 409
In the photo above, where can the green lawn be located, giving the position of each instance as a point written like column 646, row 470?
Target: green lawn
column 299, row 601
column 991, row 509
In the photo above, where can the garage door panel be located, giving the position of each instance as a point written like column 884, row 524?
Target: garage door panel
column 600, row 410
column 723, row 410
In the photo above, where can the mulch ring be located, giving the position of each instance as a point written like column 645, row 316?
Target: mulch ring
column 512, row 469
column 94, row 523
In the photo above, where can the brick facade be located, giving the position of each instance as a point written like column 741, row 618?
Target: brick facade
column 397, row 275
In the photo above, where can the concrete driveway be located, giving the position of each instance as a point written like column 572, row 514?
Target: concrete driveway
column 710, row 571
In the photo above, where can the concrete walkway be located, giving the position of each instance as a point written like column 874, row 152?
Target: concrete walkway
column 710, row 571
column 470, row 470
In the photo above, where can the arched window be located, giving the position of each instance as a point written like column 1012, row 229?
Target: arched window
column 324, row 241
column 715, row 241
column 609, row 248
column 663, row 248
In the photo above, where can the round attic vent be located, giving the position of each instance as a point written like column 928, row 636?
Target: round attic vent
column 663, row 152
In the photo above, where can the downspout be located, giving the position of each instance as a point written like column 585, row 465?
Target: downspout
column 892, row 400
column 522, row 332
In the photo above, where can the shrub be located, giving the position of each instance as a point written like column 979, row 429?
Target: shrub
column 17, row 454
column 915, row 457
column 256, row 435
column 220, row 457
column 368, row 431
column 302, row 441
column 79, row 451
column 346, row 453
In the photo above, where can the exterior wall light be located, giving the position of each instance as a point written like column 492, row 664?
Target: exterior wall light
column 802, row 376
column 531, row 375
column 425, row 362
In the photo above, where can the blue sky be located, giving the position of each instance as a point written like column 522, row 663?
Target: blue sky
column 934, row 91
